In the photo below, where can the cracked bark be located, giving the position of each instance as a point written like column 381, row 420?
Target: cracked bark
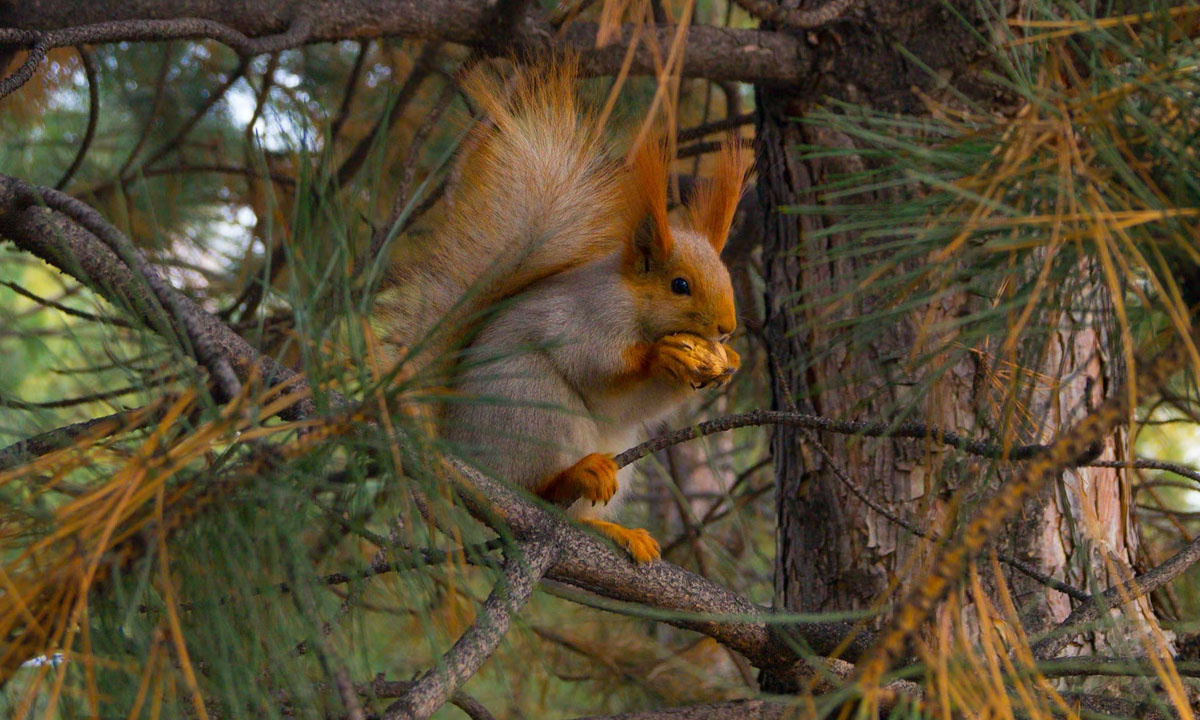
column 834, row 553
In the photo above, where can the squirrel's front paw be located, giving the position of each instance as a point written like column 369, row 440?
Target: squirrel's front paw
column 593, row 478
column 695, row 361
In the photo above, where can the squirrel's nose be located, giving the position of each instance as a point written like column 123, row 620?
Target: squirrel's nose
column 724, row 331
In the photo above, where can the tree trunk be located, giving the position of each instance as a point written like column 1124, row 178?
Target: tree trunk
column 834, row 553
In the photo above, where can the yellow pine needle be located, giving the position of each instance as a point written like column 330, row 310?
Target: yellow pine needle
column 1066, row 28
column 148, row 672
column 176, row 628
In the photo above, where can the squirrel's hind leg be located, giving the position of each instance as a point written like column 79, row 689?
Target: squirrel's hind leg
column 594, row 478
column 637, row 541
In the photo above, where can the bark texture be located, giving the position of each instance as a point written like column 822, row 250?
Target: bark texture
column 834, row 552
column 259, row 26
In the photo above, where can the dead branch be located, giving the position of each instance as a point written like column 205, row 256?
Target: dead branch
column 47, row 442
column 422, row 67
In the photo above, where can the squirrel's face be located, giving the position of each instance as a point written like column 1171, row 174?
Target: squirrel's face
column 679, row 284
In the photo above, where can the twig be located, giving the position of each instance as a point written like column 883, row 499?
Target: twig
column 213, row 98
column 93, row 81
column 218, row 169
column 408, row 173
column 37, row 52
column 383, row 689
column 264, row 93
column 59, row 438
column 916, row 431
column 84, row 399
column 708, row 128
column 335, row 127
column 160, row 91
column 46, row 302
column 522, row 571
column 700, row 148
column 422, row 67
column 1116, row 596
column 1110, row 666
column 125, row 176
column 1181, row 470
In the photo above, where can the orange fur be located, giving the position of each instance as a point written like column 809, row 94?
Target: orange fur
column 711, row 209
column 647, row 191
column 540, row 194
column 594, row 478
column 640, row 545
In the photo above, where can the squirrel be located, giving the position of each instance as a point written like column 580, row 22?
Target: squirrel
column 557, row 295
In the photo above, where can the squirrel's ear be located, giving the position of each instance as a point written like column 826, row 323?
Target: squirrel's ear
column 648, row 198
column 649, row 245
column 715, row 202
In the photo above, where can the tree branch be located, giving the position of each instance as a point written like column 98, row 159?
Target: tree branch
column 93, row 81
column 69, row 238
column 763, row 57
column 37, row 51
column 522, row 571
column 916, row 431
column 735, row 710
column 1116, row 596
column 691, row 601
column 796, row 18
column 382, row 688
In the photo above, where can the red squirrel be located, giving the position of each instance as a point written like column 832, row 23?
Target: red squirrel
column 556, row 292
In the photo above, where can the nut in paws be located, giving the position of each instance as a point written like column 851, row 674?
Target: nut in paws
column 696, row 361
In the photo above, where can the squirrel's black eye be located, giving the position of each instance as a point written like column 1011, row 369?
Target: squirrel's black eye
column 679, row 286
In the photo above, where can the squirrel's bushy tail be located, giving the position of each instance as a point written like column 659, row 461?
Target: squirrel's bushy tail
column 540, row 192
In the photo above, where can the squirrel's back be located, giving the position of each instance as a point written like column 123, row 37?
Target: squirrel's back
column 540, row 193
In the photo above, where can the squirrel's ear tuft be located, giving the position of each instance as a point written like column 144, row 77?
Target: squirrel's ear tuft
column 715, row 202
column 649, row 247
column 648, row 200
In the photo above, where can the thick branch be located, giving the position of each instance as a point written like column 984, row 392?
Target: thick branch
column 690, row 601
column 76, row 250
column 257, row 27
